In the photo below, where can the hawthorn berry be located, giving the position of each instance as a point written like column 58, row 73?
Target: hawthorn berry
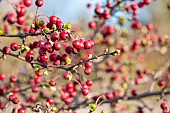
column 6, row 50
column 85, row 91
column 109, row 96
column 39, row 3
column 21, row 110
column 87, row 71
column 52, row 83
column 13, row 78
column 56, row 46
column 92, row 25
column 27, row 3
column 54, row 37
column 21, row 20
column 21, row 10
column 2, row 76
column 64, row 35
column 89, row 83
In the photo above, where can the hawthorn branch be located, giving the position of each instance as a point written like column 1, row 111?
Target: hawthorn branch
column 136, row 97
column 62, row 67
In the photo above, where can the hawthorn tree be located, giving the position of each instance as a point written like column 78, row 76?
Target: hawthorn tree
column 63, row 69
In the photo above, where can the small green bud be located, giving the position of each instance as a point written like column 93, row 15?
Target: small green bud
column 115, row 53
column 41, row 23
column 2, row 32
column 27, row 48
column 67, row 26
column 33, row 25
column 37, row 68
column 56, row 32
column 103, row 111
column 4, row 56
column 46, row 30
column 54, row 27
column 70, row 78
column 92, row 107
column 68, row 61
column 118, row 52
column 45, row 73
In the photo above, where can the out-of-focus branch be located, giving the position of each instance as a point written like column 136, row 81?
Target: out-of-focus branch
column 136, row 97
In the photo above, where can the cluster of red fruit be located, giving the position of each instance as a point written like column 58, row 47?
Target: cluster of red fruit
column 20, row 8
column 71, row 89
column 53, row 44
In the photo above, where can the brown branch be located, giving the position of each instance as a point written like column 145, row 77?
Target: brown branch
column 139, row 96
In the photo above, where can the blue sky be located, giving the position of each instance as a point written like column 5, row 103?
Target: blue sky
column 73, row 10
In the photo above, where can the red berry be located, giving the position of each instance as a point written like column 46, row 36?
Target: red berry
column 109, row 96
column 50, row 101
column 64, row 57
column 68, row 49
column 6, row 50
column 43, row 58
column 164, row 105
column 87, row 45
column 27, row 3
column 109, row 5
column 88, row 64
column 89, row 83
column 21, row 10
column 146, row 2
column 53, row 57
column 21, row 20
column 149, row 26
column 85, row 91
column 34, row 88
column 134, row 6
column 161, row 83
column 66, row 75
column 32, row 98
column 54, row 37
column 64, row 35
column 89, row 5
column 11, row 18
column 69, row 85
column 59, row 24
column 77, row 44
column 47, row 46
column 13, row 79
column 2, row 76
column 56, row 46
column 52, row 83
column 92, row 25
column 39, row 3
column 21, row 110
column 37, row 80
column 134, row 92
column 87, row 71
column 29, row 57
column 14, row 46
column 39, row 73
column 68, row 100
column 2, row 90
column 53, row 19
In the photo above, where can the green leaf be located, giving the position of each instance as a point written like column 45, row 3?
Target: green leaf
column 41, row 23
